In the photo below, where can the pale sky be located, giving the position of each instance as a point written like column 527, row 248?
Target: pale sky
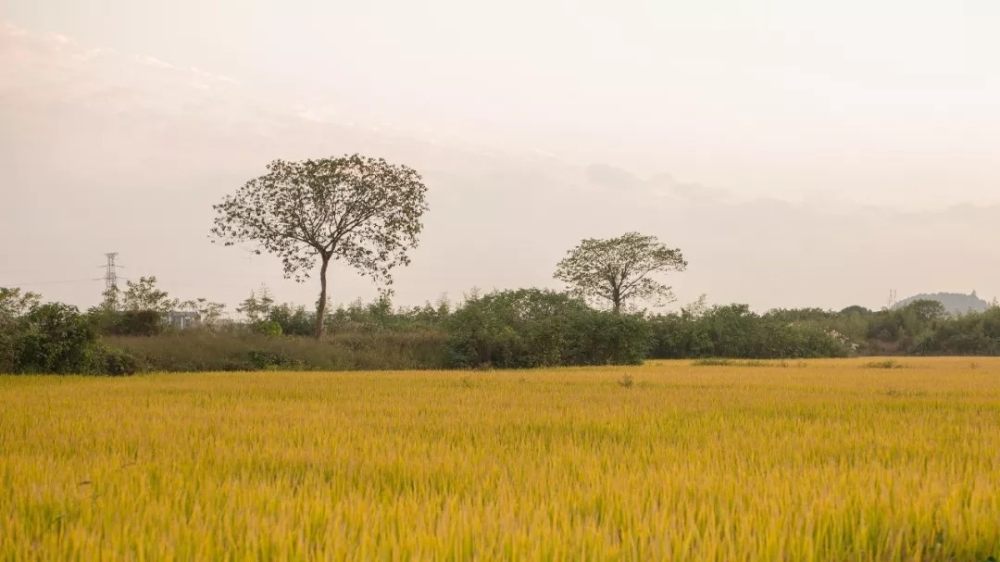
column 800, row 153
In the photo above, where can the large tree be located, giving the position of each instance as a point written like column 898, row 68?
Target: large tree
column 364, row 211
column 619, row 269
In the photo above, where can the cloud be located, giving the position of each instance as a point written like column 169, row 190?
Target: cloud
column 611, row 177
column 105, row 151
column 614, row 178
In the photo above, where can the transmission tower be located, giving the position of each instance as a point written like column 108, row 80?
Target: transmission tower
column 111, row 273
column 111, row 282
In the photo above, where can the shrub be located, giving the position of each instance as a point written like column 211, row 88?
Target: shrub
column 112, row 361
column 534, row 328
column 266, row 328
column 736, row 331
column 970, row 334
column 605, row 338
column 202, row 350
column 884, row 364
column 265, row 359
column 711, row 362
column 292, row 320
column 137, row 323
column 55, row 338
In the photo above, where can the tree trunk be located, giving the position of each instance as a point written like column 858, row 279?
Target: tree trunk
column 616, row 300
column 321, row 303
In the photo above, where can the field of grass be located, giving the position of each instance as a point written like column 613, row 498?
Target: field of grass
column 820, row 460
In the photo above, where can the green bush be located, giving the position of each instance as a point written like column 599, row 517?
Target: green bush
column 736, row 331
column 267, row 328
column 264, row 359
column 137, row 323
column 55, row 338
column 534, row 328
column 605, row 338
column 292, row 320
column 203, row 350
column 112, row 361
column 970, row 334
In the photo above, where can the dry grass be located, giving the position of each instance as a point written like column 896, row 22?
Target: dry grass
column 828, row 462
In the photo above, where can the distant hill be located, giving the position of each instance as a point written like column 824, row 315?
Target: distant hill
column 954, row 303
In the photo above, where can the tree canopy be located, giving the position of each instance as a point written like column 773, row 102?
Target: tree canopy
column 619, row 269
column 144, row 295
column 364, row 211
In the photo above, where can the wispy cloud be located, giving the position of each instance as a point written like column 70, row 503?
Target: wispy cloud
column 110, row 151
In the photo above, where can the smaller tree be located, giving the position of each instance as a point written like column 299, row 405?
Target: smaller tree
column 620, row 269
column 144, row 295
column 257, row 307
column 209, row 313
column 110, row 300
column 13, row 306
column 55, row 338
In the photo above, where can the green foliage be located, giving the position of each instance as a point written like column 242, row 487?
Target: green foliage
column 717, row 362
column 266, row 328
column 969, row 334
column 264, row 359
column 380, row 315
column 534, row 328
column 919, row 328
column 884, row 364
column 144, row 295
column 203, row 350
column 136, row 323
column 604, row 338
column 292, row 320
column 257, row 307
column 209, row 313
column 264, row 316
column 619, row 270
column 712, row 362
column 13, row 306
column 508, row 329
column 54, row 338
column 363, row 211
column 736, row 331
column 903, row 330
column 112, row 361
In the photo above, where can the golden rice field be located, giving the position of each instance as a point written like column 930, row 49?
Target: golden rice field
column 822, row 460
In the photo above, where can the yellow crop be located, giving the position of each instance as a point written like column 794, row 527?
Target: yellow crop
column 822, row 460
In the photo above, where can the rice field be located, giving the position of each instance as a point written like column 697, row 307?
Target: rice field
column 842, row 460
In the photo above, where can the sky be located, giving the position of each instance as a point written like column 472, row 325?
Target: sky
column 800, row 153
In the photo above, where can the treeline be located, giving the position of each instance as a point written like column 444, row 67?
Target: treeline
column 509, row 329
column 920, row 328
column 506, row 329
